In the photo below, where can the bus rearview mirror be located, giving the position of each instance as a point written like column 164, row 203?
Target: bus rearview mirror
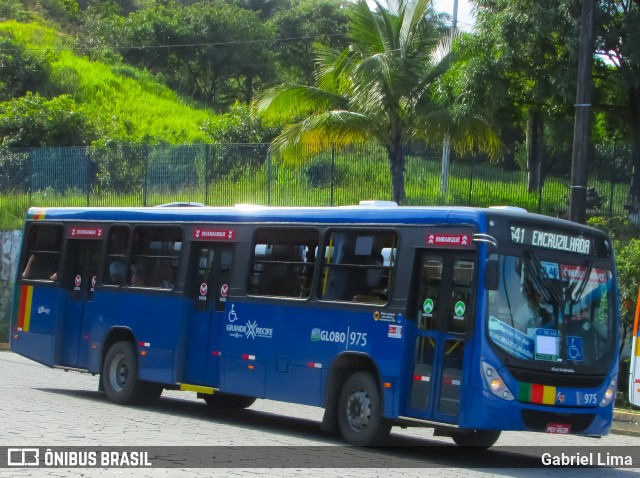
column 492, row 274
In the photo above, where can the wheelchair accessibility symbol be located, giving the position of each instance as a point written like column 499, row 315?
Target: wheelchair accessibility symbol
column 574, row 348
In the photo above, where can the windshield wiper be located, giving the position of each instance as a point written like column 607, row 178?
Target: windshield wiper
column 538, row 275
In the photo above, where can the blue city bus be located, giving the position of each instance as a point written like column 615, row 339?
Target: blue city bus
column 467, row 320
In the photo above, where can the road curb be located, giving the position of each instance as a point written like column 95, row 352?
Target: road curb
column 626, row 423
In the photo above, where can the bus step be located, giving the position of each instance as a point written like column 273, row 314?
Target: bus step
column 197, row 388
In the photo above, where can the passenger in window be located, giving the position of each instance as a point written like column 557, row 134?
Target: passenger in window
column 167, row 276
column 116, row 271
column 138, row 274
column 38, row 273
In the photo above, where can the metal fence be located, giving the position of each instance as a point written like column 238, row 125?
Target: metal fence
column 227, row 174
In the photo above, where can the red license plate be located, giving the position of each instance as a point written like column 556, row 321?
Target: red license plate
column 558, row 428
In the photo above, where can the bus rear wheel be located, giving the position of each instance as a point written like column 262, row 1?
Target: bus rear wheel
column 477, row 438
column 225, row 400
column 360, row 411
column 120, row 377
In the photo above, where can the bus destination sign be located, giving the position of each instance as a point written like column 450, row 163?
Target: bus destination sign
column 555, row 240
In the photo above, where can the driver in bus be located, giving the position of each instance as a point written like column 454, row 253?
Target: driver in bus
column 531, row 313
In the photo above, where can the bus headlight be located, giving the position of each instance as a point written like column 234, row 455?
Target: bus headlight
column 494, row 382
column 610, row 393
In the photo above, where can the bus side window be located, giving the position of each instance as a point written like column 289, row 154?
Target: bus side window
column 461, row 299
column 116, row 264
column 42, row 258
column 283, row 262
column 358, row 266
column 155, row 257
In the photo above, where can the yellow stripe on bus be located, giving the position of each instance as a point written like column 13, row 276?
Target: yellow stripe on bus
column 637, row 346
column 27, row 310
column 196, row 388
column 549, row 395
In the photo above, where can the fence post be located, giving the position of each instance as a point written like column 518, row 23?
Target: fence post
column 540, row 186
column 146, row 176
column 30, row 177
column 87, row 179
column 470, row 185
column 269, row 178
column 611, row 198
column 206, row 173
column 333, row 164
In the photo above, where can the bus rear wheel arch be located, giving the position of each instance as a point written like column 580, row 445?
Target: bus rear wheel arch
column 120, row 377
column 359, row 411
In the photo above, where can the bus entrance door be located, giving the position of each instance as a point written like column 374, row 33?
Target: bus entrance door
column 444, row 311
column 210, row 270
column 79, row 281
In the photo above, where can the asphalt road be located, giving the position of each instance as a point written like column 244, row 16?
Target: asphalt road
column 42, row 407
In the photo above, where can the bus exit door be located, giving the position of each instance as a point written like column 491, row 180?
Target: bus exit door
column 79, row 281
column 210, row 268
column 444, row 310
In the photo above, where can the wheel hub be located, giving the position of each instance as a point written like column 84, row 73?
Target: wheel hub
column 359, row 410
column 118, row 373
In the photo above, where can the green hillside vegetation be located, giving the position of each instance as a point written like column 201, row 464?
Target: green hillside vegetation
column 122, row 103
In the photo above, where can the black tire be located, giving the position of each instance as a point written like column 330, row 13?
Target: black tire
column 120, row 377
column 360, row 417
column 229, row 401
column 476, row 438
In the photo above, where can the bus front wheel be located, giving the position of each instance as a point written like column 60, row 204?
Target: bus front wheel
column 477, row 438
column 360, row 411
column 120, row 377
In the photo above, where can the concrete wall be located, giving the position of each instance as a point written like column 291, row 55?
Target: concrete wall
column 9, row 256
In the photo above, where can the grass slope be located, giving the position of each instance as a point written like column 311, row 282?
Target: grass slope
column 126, row 104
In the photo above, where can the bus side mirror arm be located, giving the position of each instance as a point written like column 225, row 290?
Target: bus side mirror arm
column 492, row 274
column 491, row 269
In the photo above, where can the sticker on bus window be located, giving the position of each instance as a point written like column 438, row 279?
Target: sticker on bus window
column 552, row 269
column 577, row 273
column 203, row 291
column 547, row 345
column 574, row 348
column 510, row 339
column 427, row 306
column 459, row 310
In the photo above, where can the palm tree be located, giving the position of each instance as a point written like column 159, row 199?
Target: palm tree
column 382, row 88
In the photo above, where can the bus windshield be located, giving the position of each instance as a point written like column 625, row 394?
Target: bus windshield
column 550, row 313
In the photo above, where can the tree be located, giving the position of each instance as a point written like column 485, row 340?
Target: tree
column 33, row 121
column 520, row 65
column 212, row 52
column 298, row 27
column 381, row 88
column 617, row 70
column 627, row 246
column 21, row 70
